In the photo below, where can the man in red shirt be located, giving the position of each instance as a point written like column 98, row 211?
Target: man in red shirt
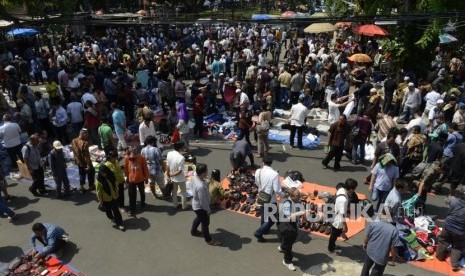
column 92, row 123
column 198, row 112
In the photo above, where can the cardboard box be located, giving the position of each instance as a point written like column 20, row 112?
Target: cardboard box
column 23, row 171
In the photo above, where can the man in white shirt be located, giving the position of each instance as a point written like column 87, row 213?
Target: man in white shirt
column 416, row 121
column 75, row 111
column 333, row 108
column 10, row 133
column 267, row 180
column 146, row 129
column 175, row 162
column 59, row 121
column 459, row 116
column 88, row 97
column 434, row 112
column 430, row 98
column 411, row 102
column 297, row 122
column 341, row 205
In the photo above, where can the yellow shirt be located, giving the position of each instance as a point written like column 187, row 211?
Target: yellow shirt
column 285, row 79
column 117, row 171
column 52, row 89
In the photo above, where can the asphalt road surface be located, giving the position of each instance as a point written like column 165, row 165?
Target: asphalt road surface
column 158, row 241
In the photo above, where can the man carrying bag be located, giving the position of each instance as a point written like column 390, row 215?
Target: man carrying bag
column 267, row 180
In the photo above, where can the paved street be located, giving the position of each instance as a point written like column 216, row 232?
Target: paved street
column 158, row 241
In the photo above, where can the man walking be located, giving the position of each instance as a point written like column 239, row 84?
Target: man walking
column 175, row 161
column 297, row 122
column 10, row 133
column 119, row 121
column 201, row 205
column 381, row 238
column 338, row 133
column 80, row 148
column 31, row 156
column 341, row 205
column 287, row 229
column 267, row 180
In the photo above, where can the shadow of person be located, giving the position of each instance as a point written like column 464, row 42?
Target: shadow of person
column 231, row 240
column 169, row 210
column 81, row 199
column 315, row 264
column 8, row 253
column 201, row 151
column 304, row 237
column 356, row 253
column 21, row 202
column 26, row 218
column 137, row 223
column 355, row 169
column 69, row 252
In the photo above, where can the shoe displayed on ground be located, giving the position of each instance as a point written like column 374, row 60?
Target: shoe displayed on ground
column 289, row 266
column 280, row 249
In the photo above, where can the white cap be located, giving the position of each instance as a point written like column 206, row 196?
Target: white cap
column 238, row 90
column 231, row 80
column 440, row 101
column 411, row 84
column 406, row 79
column 57, row 145
column 372, row 90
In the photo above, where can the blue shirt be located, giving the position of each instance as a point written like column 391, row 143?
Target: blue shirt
column 452, row 140
column 153, row 156
column 53, row 234
column 382, row 236
column 393, row 202
column 119, row 120
column 384, row 177
column 454, row 221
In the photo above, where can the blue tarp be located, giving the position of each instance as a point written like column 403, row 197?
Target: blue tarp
column 22, row 32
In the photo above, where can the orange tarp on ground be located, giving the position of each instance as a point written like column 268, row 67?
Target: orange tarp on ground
column 354, row 226
column 437, row 266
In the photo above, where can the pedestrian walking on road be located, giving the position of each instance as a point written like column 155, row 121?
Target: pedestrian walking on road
column 201, row 205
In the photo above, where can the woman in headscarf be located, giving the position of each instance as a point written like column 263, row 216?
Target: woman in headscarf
column 107, row 194
column 182, row 126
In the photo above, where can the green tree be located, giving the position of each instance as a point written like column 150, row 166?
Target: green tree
column 36, row 8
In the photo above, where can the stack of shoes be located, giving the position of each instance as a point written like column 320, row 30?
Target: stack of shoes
column 243, row 207
column 252, row 209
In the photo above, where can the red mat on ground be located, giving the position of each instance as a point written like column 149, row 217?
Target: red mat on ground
column 438, row 266
column 354, row 226
column 57, row 267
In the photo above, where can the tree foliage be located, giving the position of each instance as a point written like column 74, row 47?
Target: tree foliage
column 39, row 8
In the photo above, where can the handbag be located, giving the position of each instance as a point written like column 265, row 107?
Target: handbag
column 262, row 197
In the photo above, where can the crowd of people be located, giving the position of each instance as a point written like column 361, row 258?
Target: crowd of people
column 96, row 89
